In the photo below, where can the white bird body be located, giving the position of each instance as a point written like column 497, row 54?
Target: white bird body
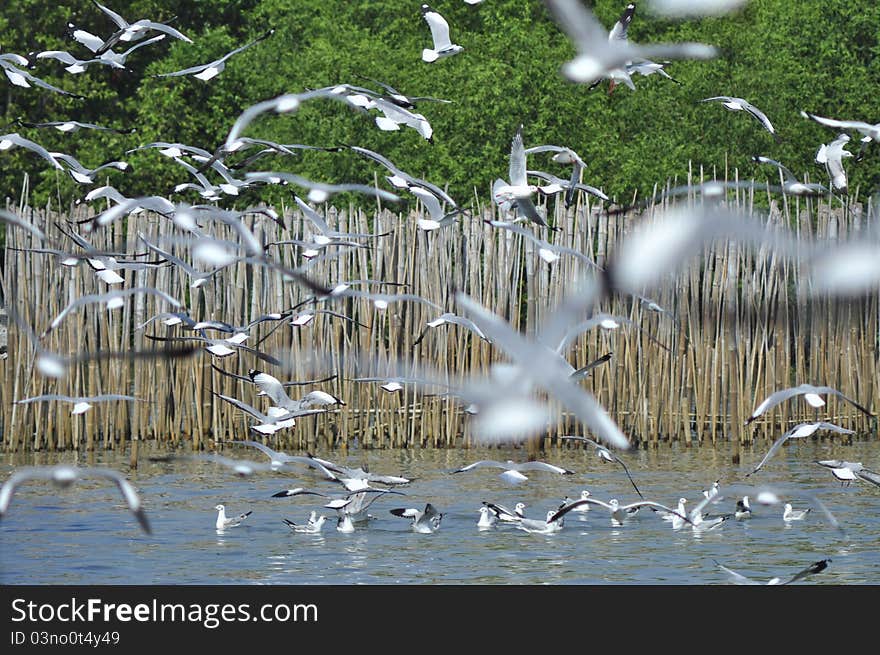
column 443, row 45
column 224, row 521
column 791, row 514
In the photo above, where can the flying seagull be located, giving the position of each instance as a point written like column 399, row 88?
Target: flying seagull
column 798, row 432
column 738, row 578
column 81, row 404
column 63, row 475
column 810, row 393
column 210, row 70
column 739, row 104
column 443, row 46
column 597, row 55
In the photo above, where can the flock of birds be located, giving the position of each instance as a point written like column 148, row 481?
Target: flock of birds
column 510, row 403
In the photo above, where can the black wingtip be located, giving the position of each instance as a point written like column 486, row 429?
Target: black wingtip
column 142, row 519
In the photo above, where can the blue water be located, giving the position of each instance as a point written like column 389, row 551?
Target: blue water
column 85, row 535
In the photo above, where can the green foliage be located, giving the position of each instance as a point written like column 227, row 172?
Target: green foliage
column 783, row 56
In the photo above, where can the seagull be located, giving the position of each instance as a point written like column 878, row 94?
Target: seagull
column 799, row 431
column 398, row 98
column 618, row 33
column 23, row 78
column 791, row 514
column 85, row 175
column 606, row 455
column 550, row 525
column 425, row 522
column 55, row 365
column 743, row 509
column 537, row 363
column 443, row 46
column 394, row 116
column 846, row 472
column 112, row 300
column 280, row 460
column 107, row 58
column 127, row 31
column 320, row 191
column 243, row 468
column 739, row 104
column 81, row 404
column 547, row 251
column 448, row 318
column 73, row 126
column 597, row 55
column 487, row 519
column 516, row 194
column 810, row 393
column 583, row 509
column 870, row 132
column 212, row 69
column 11, row 219
column 313, row 526
column 771, row 495
column 618, row 512
column 353, row 474
column 273, row 421
column 790, row 184
column 832, row 155
column 13, row 139
column 271, row 386
column 228, row 522
column 513, row 470
column 285, row 103
column 63, row 475
column 505, row 515
column 737, row 578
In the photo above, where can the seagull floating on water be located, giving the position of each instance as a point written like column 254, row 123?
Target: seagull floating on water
column 228, row 522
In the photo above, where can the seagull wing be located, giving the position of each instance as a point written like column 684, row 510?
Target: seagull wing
column 439, row 28
column 815, row 567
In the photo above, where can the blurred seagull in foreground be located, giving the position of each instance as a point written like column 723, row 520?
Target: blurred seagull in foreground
column 443, row 46
column 598, row 55
column 63, row 475
column 738, row 578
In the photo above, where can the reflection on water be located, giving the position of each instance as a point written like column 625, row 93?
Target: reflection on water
column 85, row 534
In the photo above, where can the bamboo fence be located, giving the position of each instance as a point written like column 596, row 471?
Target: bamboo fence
column 744, row 326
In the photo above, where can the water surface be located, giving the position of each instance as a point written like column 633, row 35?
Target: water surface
column 85, row 535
